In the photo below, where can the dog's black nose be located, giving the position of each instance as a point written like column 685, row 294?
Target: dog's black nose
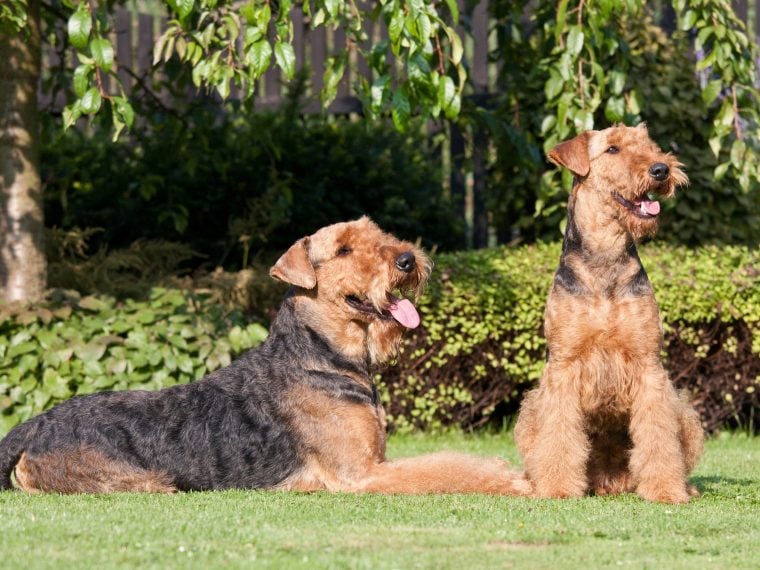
column 659, row 171
column 405, row 262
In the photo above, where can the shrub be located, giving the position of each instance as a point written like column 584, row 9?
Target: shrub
column 75, row 345
column 481, row 345
column 228, row 182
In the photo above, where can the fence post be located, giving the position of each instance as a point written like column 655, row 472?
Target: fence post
column 124, row 48
column 480, row 142
column 457, row 178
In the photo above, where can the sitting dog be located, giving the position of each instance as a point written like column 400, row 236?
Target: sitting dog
column 605, row 416
column 298, row 412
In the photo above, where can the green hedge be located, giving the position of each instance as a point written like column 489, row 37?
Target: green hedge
column 480, row 346
column 77, row 345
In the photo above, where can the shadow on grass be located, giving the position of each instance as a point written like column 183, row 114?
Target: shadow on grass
column 715, row 484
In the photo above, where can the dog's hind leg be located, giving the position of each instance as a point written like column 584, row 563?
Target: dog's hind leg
column 86, row 470
column 444, row 472
column 692, row 439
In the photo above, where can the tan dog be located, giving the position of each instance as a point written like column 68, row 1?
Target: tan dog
column 605, row 416
column 298, row 412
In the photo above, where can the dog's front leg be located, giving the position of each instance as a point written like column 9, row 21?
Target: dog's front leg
column 657, row 460
column 556, row 461
column 444, row 472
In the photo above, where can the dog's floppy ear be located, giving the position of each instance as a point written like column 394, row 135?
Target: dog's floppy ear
column 294, row 266
column 572, row 154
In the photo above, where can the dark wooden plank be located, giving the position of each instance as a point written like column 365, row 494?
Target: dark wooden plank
column 339, row 43
column 318, row 43
column 457, row 177
column 362, row 65
column 479, row 175
column 144, row 44
column 124, row 48
column 480, row 47
column 298, row 37
column 272, row 85
column 740, row 7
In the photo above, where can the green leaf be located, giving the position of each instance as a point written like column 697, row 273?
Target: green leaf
column 82, row 79
column 574, row 43
column 396, row 26
column 184, row 7
column 711, row 91
column 286, row 58
column 90, row 101
column 720, row 170
column 737, row 153
column 447, row 96
column 332, row 7
column 80, row 26
column 259, row 56
column 123, row 115
column 554, row 85
column 454, row 9
column 248, row 11
column 102, row 53
column 548, row 124
column 616, row 81
column 715, row 145
column 614, row 111
column 378, row 92
column 423, row 26
column 92, row 351
column 401, row 109
column 457, row 50
column 263, row 17
column 688, row 20
column 334, row 70
column 71, row 114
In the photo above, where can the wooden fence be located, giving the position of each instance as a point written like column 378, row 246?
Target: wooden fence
column 135, row 34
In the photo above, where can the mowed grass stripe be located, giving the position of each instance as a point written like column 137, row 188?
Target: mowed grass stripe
column 263, row 529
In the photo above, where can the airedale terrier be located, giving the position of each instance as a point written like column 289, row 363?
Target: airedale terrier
column 299, row 412
column 605, row 416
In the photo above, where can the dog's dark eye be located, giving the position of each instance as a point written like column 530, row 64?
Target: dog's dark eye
column 343, row 251
column 613, row 150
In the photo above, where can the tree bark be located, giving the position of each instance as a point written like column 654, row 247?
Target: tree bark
column 23, row 265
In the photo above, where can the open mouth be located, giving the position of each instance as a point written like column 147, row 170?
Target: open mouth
column 398, row 309
column 645, row 207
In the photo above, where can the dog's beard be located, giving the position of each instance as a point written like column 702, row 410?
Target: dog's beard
column 383, row 340
column 638, row 228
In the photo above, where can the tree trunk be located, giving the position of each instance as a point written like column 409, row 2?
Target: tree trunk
column 22, row 257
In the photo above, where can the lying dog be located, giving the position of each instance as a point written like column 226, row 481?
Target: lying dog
column 298, row 412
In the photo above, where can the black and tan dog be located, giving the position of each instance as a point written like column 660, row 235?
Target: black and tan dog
column 606, row 417
column 299, row 412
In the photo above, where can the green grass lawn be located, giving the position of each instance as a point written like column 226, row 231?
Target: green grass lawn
column 261, row 529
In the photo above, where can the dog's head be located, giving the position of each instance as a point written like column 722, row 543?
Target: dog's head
column 625, row 170
column 355, row 282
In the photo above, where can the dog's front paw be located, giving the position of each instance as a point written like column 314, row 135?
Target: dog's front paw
column 660, row 494
column 559, row 489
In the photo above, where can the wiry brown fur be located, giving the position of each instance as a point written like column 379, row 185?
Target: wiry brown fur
column 86, row 470
column 606, row 417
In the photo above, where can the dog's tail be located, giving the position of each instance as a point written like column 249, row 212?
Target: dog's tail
column 11, row 449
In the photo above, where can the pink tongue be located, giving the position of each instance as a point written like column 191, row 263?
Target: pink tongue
column 650, row 207
column 405, row 313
